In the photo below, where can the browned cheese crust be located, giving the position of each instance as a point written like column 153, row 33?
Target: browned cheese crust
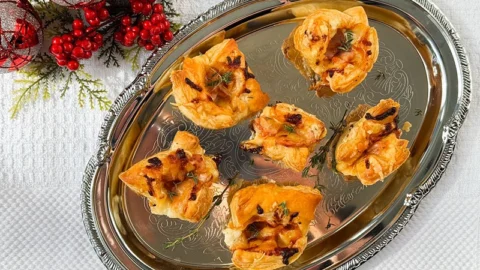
column 269, row 224
column 177, row 182
column 217, row 89
column 285, row 133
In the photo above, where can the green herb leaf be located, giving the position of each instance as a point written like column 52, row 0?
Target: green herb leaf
column 193, row 176
column 225, row 78
column 283, row 205
column 289, row 128
column 171, row 194
column 347, row 44
column 320, row 157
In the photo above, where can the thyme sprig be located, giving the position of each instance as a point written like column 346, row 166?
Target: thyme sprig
column 254, row 231
column 289, row 128
column 171, row 194
column 320, row 157
column 347, row 44
column 284, row 207
column 220, row 78
column 217, row 200
column 193, row 176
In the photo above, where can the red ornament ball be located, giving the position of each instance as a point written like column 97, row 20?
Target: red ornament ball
column 75, row 4
column 22, row 34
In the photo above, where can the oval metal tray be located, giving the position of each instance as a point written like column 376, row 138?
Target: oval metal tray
column 421, row 64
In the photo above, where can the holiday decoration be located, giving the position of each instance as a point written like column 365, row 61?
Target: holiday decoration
column 107, row 30
column 75, row 3
column 21, row 34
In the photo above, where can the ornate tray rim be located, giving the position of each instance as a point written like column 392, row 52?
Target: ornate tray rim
column 450, row 132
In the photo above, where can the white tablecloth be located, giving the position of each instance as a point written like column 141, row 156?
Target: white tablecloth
column 44, row 151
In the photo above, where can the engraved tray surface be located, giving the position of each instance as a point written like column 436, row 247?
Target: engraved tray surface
column 421, row 65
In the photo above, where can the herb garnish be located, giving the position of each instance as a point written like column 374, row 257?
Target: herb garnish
column 318, row 159
column 418, row 112
column 380, row 75
column 193, row 176
column 171, row 194
column 253, row 230
column 347, row 44
column 217, row 200
column 219, row 78
column 329, row 224
column 283, row 205
column 289, row 128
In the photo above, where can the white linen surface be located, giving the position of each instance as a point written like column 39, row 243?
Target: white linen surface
column 44, row 151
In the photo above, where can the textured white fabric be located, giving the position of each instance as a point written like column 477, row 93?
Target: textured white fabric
column 44, row 151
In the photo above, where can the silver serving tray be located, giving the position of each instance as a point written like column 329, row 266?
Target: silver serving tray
column 424, row 67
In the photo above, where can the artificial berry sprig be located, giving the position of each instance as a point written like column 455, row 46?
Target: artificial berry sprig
column 145, row 25
column 82, row 41
column 149, row 31
column 69, row 48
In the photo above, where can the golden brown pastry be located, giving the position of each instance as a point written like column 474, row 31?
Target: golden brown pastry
column 370, row 147
column 285, row 133
column 269, row 224
column 217, row 89
column 333, row 48
column 177, row 182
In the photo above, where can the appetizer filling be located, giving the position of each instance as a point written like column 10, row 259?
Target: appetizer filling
column 333, row 48
column 285, row 133
column 269, row 224
column 177, row 182
column 217, row 89
column 370, row 148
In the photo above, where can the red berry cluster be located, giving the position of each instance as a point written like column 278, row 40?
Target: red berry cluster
column 96, row 13
column 150, row 32
column 82, row 41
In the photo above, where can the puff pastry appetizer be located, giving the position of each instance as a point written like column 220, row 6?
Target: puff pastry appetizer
column 333, row 48
column 217, row 89
column 370, row 147
column 285, row 133
column 177, row 182
column 269, row 224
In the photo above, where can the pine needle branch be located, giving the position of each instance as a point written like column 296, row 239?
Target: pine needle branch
column 132, row 56
column 110, row 51
column 168, row 8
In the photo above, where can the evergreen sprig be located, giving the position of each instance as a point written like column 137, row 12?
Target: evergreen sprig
column 132, row 56
column 43, row 75
column 54, row 17
column 111, row 51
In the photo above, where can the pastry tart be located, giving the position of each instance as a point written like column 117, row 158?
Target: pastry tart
column 177, row 182
column 217, row 89
column 333, row 48
column 269, row 224
column 370, row 147
column 285, row 133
